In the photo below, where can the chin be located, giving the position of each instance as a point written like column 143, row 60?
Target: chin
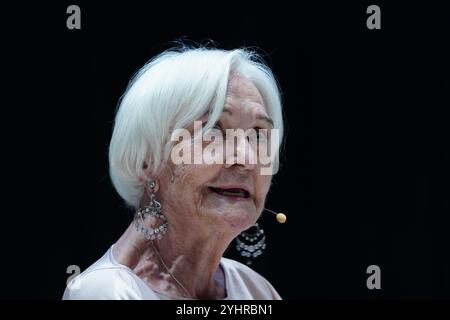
column 238, row 220
column 235, row 213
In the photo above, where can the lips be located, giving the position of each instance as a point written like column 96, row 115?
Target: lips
column 231, row 192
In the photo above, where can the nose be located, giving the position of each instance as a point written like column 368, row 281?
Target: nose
column 240, row 153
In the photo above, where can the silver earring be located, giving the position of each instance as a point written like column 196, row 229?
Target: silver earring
column 251, row 243
column 153, row 209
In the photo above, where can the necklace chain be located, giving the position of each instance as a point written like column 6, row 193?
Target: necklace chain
column 186, row 293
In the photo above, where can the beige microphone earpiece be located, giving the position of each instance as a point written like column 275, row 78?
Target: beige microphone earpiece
column 281, row 217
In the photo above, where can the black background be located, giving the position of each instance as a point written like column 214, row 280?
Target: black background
column 365, row 172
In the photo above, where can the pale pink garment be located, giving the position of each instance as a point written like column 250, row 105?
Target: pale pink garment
column 107, row 279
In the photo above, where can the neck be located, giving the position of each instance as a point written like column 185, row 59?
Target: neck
column 192, row 258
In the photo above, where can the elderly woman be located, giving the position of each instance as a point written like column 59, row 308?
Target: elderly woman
column 188, row 213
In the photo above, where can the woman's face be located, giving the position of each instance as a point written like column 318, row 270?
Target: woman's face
column 229, row 195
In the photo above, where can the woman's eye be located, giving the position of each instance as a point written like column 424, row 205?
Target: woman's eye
column 215, row 131
column 261, row 135
column 215, row 126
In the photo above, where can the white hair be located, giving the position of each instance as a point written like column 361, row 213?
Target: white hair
column 171, row 91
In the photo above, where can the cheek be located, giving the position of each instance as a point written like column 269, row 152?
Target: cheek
column 262, row 187
column 190, row 180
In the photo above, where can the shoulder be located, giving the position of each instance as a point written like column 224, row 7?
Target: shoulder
column 253, row 285
column 104, row 280
column 102, row 284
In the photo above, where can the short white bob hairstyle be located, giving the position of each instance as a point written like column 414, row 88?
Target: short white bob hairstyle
column 169, row 92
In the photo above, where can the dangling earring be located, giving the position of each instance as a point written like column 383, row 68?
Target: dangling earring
column 153, row 209
column 251, row 244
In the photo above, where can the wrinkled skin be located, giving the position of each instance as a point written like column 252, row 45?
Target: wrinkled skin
column 202, row 223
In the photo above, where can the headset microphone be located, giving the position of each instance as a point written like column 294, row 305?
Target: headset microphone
column 281, row 217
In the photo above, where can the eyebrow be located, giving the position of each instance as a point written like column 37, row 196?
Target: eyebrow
column 259, row 117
